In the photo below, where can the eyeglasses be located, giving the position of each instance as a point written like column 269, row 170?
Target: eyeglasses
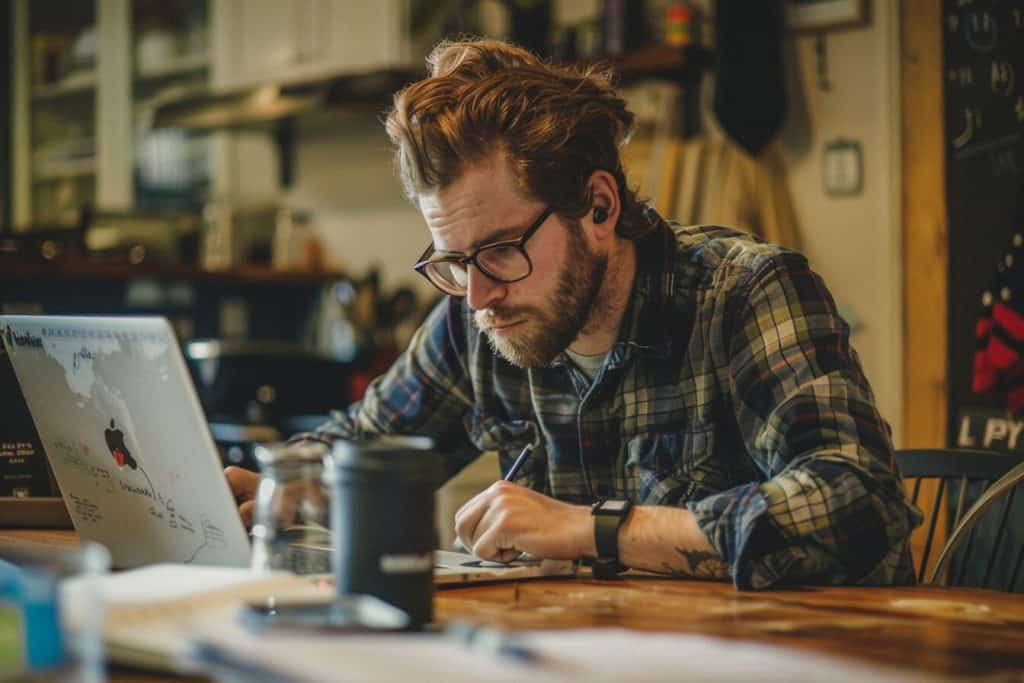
column 505, row 261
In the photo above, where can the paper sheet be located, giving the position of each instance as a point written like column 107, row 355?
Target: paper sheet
column 152, row 612
column 576, row 655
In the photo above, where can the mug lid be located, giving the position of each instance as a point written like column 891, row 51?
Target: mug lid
column 407, row 455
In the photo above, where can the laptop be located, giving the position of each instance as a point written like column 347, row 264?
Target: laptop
column 126, row 437
column 121, row 424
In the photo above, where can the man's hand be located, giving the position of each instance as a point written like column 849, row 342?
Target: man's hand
column 508, row 519
column 243, row 485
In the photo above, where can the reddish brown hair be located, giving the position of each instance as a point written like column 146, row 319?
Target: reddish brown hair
column 556, row 125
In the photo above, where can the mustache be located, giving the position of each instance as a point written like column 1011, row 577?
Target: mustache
column 490, row 318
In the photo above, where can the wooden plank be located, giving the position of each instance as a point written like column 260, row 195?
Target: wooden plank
column 925, row 256
column 936, row 630
column 920, row 629
column 925, row 253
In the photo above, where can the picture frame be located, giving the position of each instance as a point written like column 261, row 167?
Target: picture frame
column 817, row 16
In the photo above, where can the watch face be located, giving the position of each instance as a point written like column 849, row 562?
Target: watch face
column 613, row 506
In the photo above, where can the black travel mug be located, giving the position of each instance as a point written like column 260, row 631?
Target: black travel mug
column 382, row 518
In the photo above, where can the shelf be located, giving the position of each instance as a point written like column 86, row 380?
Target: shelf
column 79, row 83
column 245, row 108
column 179, row 66
column 659, row 61
column 62, row 170
column 87, row 269
column 684, row 64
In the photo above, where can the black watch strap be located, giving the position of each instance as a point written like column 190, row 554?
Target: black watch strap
column 608, row 518
column 606, row 535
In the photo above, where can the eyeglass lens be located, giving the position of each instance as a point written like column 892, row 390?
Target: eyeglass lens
column 502, row 263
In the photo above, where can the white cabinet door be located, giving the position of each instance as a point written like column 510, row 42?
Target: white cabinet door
column 367, row 34
column 254, row 40
column 272, row 40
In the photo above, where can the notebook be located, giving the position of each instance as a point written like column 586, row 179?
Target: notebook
column 152, row 612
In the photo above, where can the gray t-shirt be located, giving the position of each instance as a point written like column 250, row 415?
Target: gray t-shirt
column 588, row 364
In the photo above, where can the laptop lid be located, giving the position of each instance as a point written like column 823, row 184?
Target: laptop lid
column 124, row 432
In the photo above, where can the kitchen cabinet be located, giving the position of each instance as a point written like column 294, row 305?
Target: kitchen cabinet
column 170, row 55
column 264, row 41
column 55, row 157
column 87, row 73
column 84, row 74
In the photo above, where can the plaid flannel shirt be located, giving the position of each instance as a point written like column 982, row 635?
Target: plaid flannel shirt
column 732, row 391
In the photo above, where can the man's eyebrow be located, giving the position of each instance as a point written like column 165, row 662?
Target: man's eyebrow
column 499, row 235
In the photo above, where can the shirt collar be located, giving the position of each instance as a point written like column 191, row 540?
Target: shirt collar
column 645, row 327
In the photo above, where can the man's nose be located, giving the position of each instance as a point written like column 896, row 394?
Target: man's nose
column 482, row 291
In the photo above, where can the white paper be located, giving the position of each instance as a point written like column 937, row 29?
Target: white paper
column 567, row 655
column 151, row 613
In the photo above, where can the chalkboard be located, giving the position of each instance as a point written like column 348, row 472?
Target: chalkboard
column 983, row 54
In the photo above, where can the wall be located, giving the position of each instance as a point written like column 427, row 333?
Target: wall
column 854, row 242
column 344, row 175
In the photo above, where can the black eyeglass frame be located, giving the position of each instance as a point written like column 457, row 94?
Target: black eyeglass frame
column 519, row 244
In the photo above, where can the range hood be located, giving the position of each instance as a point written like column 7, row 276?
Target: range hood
column 267, row 104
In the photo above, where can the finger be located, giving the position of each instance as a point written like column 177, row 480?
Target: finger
column 508, row 555
column 245, row 511
column 495, row 546
column 469, row 515
column 242, row 483
column 494, row 533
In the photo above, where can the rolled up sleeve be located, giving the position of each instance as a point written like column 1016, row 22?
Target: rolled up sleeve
column 831, row 509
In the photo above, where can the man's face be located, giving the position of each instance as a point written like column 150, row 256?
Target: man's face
column 530, row 321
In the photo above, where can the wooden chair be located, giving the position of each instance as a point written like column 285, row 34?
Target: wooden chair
column 970, row 469
column 963, row 533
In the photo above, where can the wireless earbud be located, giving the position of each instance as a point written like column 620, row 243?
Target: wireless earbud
column 600, row 214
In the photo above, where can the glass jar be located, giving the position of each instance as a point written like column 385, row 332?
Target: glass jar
column 291, row 519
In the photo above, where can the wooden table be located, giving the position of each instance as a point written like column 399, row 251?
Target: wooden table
column 940, row 630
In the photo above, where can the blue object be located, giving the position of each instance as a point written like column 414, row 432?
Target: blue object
column 492, row 641
column 33, row 593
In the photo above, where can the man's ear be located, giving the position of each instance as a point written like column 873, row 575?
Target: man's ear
column 603, row 215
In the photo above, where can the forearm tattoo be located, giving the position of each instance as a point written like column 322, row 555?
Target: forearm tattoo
column 698, row 564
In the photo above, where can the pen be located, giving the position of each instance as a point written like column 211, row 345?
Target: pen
column 519, row 462
column 217, row 660
column 491, row 641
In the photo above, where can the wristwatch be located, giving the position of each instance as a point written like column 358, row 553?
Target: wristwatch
column 608, row 517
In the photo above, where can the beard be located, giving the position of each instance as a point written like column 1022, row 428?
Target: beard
column 548, row 331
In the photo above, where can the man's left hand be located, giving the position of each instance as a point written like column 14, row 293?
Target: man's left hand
column 508, row 519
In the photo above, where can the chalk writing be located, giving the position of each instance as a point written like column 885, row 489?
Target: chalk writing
column 979, row 428
column 1004, row 80
column 981, row 31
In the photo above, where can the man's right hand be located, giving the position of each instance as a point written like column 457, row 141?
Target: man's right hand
column 243, row 485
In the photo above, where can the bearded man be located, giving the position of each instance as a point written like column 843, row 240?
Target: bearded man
column 690, row 394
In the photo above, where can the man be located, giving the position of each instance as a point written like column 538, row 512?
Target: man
column 695, row 384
